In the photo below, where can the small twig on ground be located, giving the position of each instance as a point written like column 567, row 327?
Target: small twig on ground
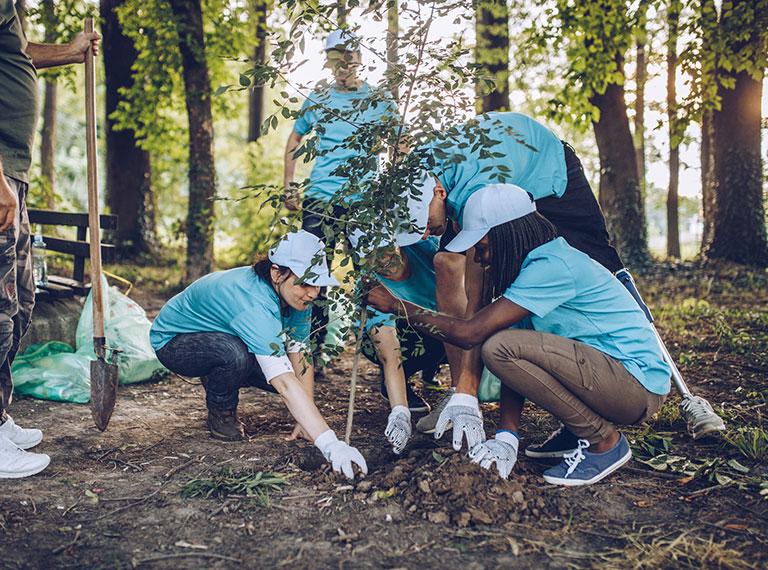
column 187, row 555
column 69, row 508
column 125, row 508
column 178, row 468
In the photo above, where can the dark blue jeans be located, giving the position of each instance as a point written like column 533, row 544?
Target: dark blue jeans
column 221, row 360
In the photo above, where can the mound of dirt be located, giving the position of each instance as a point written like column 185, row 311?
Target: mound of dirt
column 445, row 487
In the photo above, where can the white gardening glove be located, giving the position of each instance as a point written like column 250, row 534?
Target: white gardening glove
column 463, row 411
column 398, row 430
column 502, row 450
column 340, row 455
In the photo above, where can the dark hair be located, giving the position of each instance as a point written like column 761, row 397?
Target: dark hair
column 509, row 244
column 262, row 267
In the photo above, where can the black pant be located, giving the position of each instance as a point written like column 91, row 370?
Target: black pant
column 577, row 216
column 222, row 360
column 315, row 222
column 419, row 352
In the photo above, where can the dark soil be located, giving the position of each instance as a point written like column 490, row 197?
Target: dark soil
column 113, row 499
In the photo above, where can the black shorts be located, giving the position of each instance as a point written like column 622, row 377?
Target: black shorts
column 576, row 215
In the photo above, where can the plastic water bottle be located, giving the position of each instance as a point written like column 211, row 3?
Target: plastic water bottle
column 39, row 264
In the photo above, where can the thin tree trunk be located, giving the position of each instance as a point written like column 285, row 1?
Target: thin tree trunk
column 707, row 177
column 641, row 77
column 256, row 98
column 492, row 53
column 129, row 192
column 673, row 223
column 620, row 196
column 341, row 13
column 48, row 131
column 202, row 172
column 393, row 32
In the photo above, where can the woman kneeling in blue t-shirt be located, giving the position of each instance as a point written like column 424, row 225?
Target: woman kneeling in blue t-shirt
column 247, row 327
column 581, row 348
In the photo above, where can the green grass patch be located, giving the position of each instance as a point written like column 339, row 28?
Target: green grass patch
column 227, row 483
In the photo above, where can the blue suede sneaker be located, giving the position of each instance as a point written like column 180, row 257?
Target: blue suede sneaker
column 584, row 468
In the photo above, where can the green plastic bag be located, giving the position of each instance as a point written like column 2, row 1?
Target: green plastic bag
column 490, row 387
column 55, row 371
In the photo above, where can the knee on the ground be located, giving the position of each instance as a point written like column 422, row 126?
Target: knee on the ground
column 448, row 264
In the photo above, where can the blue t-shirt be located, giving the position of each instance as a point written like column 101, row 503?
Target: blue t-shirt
column 496, row 148
column 573, row 296
column 236, row 302
column 418, row 287
column 343, row 123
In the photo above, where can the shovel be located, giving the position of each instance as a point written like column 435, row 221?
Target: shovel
column 103, row 373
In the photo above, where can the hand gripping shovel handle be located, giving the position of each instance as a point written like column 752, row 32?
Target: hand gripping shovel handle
column 103, row 374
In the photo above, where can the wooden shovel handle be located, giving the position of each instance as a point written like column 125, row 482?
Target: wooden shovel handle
column 93, row 190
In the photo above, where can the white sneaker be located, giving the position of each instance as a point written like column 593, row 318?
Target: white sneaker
column 23, row 438
column 16, row 463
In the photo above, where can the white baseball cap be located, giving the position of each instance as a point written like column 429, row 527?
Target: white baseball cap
column 304, row 254
column 412, row 220
column 342, row 40
column 487, row 208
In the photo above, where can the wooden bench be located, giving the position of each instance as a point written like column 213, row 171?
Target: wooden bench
column 58, row 286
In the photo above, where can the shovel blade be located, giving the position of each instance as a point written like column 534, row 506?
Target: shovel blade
column 103, row 391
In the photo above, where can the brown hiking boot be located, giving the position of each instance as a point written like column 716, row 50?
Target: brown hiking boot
column 224, row 425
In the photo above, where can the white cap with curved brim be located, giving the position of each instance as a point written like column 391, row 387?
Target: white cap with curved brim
column 489, row 207
column 343, row 40
column 304, row 254
column 413, row 218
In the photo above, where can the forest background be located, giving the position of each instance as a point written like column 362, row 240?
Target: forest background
column 192, row 82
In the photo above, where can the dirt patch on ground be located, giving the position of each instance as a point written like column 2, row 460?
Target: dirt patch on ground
column 114, row 499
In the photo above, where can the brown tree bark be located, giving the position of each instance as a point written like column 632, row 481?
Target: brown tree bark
column 641, row 78
column 619, row 193
column 673, row 223
column 48, row 131
column 492, row 53
column 256, row 97
column 129, row 192
column 707, row 177
column 738, row 230
column 202, row 172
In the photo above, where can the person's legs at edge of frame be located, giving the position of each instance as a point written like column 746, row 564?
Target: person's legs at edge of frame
column 584, row 388
column 225, row 365
column 17, row 290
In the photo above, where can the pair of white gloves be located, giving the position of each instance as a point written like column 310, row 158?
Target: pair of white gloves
column 463, row 412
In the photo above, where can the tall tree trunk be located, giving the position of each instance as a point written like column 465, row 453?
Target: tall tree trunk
column 709, row 38
column 620, row 196
column 48, row 131
column 739, row 232
column 492, row 53
column 393, row 32
column 641, row 77
column 256, row 98
column 673, row 223
column 128, row 174
column 202, row 172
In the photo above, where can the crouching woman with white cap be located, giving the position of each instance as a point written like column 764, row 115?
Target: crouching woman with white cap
column 591, row 358
column 247, row 327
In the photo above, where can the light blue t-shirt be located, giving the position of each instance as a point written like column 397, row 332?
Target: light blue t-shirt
column 236, row 302
column 496, row 148
column 342, row 120
column 418, row 287
column 573, row 296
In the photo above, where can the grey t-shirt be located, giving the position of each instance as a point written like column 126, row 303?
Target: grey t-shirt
column 18, row 95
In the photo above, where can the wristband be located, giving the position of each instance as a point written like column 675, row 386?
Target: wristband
column 402, row 409
column 509, row 437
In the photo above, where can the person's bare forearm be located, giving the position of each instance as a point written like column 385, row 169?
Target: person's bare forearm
column 300, row 404
column 304, row 370
column 51, row 55
column 289, row 160
column 454, row 330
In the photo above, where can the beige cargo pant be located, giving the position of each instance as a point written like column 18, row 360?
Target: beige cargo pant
column 17, row 291
column 584, row 388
